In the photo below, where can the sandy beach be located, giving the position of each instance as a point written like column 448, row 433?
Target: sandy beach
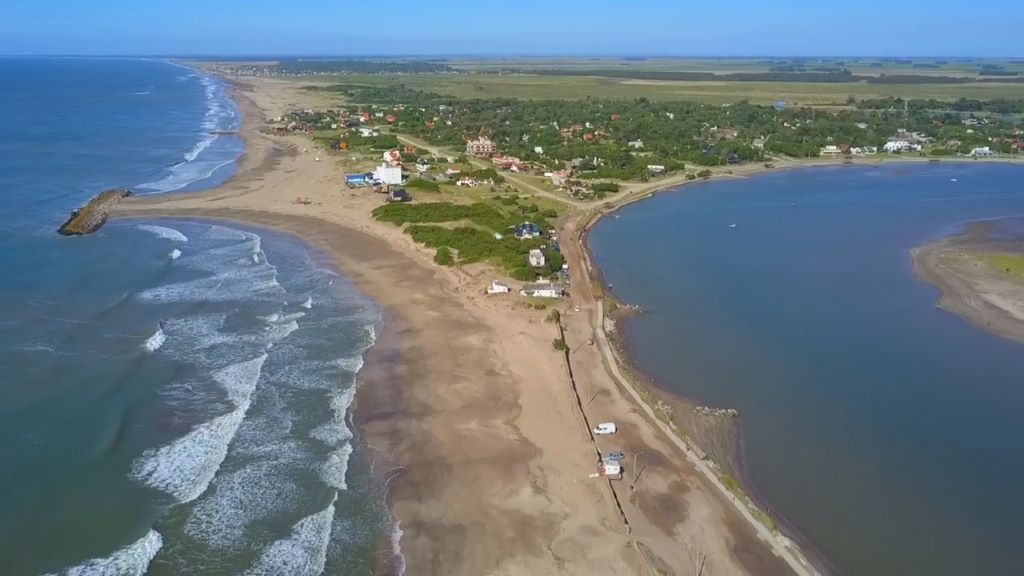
column 469, row 408
column 971, row 287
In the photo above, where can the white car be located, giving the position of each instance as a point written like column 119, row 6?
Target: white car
column 606, row 428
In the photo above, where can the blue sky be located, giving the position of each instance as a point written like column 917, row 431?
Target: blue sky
column 651, row 27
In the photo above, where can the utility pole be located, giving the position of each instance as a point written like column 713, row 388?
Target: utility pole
column 632, row 485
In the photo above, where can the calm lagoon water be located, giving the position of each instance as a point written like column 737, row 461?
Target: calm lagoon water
column 887, row 431
column 174, row 395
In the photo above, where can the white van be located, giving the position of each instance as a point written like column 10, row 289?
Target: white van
column 606, row 428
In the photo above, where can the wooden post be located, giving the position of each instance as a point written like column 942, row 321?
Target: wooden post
column 632, row 485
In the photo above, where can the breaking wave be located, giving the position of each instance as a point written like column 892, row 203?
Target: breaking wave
column 175, row 254
column 335, row 469
column 184, row 468
column 154, row 342
column 303, row 552
column 221, row 115
column 132, row 560
column 164, row 232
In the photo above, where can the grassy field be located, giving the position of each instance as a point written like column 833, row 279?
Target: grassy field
column 966, row 67
column 1011, row 264
column 580, row 87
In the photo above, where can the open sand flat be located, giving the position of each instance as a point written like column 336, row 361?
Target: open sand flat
column 972, row 286
column 464, row 396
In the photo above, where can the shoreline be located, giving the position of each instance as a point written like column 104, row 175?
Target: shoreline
column 970, row 287
column 433, row 421
column 803, row 552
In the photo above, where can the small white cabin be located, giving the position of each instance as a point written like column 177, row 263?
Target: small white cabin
column 610, row 467
column 498, row 288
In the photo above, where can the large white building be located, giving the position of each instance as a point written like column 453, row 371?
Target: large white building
column 893, row 146
column 542, row 290
column 388, row 174
column 536, row 258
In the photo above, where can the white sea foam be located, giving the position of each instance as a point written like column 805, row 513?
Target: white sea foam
column 396, row 547
column 336, row 430
column 254, row 283
column 239, row 379
column 303, row 552
column 238, row 499
column 308, row 303
column 185, row 467
column 164, row 232
column 198, row 148
column 335, row 469
column 154, row 342
column 132, row 560
column 351, row 364
column 175, row 254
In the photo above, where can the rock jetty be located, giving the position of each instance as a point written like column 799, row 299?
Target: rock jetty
column 93, row 215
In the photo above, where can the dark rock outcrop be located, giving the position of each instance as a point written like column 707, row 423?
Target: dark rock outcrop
column 93, row 215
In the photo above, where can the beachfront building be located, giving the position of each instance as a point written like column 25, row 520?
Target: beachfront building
column 542, row 290
column 899, row 146
column 831, row 150
column 482, row 146
column 357, row 180
column 528, row 230
column 982, row 152
column 610, row 468
column 536, row 258
column 385, row 174
column 398, row 195
column 498, row 288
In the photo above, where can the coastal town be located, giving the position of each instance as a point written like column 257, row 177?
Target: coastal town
column 469, row 218
column 513, row 167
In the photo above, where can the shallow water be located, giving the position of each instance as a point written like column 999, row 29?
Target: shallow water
column 884, row 429
column 175, row 394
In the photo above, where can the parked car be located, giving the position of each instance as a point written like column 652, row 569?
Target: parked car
column 606, row 428
column 615, row 456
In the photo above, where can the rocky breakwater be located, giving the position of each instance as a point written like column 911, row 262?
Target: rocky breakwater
column 93, row 215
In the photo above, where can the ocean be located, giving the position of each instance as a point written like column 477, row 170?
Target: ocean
column 175, row 395
column 887, row 431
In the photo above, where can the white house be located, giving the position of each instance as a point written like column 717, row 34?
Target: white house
column 497, row 288
column 368, row 132
column 538, row 150
column 536, row 258
column 655, row 168
column 388, row 174
column 541, row 290
column 831, row 150
column 636, row 144
column 982, row 152
column 896, row 146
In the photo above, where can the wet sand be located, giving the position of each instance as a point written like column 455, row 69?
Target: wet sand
column 467, row 405
column 971, row 286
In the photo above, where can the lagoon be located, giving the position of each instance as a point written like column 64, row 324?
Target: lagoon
column 885, row 430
